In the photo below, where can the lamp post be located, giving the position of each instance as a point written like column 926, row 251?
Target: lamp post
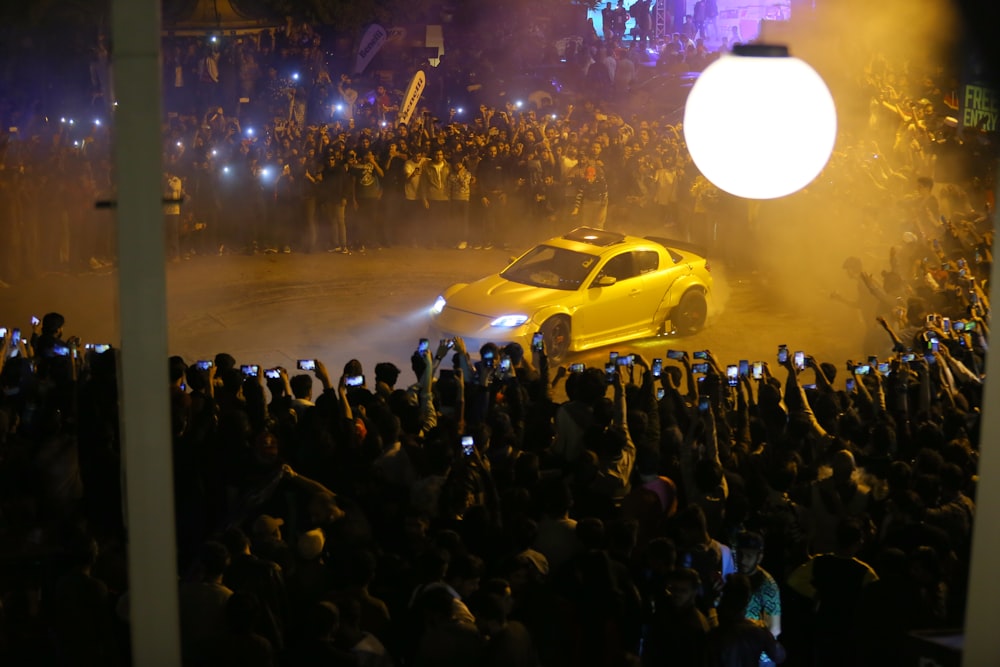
column 759, row 123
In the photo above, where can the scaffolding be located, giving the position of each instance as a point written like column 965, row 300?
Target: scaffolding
column 660, row 17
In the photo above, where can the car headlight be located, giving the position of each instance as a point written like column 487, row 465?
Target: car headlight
column 509, row 321
column 438, row 306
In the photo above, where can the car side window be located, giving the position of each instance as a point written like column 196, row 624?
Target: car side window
column 647, row 261
column 621, row 267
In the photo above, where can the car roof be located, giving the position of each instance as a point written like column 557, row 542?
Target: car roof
column 601, row 241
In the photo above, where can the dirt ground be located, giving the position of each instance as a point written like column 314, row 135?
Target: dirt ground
column 273, row 309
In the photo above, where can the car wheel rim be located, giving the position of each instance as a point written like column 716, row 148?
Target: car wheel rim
column 692, row 316
column 558, row 341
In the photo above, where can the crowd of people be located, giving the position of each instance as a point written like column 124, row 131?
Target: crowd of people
column 273, row 146
column 679, row 510
column 669, row 509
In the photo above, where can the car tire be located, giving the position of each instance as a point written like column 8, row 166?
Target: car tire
column 556, row 332
column 688, row 316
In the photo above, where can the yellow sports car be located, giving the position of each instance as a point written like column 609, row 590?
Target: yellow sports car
column 588, row 288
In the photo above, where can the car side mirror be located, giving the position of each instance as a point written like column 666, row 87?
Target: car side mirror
column 605, row 281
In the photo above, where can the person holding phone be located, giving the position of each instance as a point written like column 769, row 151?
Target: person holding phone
column 610, row 439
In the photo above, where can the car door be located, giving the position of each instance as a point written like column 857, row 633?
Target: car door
column 615, row 309
column 655, row 282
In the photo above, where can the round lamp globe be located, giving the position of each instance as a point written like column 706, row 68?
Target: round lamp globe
column 759, row 123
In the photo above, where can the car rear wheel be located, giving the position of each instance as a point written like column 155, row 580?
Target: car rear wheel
column 555, row 330
column 689, row 315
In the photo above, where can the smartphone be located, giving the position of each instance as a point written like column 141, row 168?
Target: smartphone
column 657, row 367
column 101, row 348
column 660, row 393
column 883, row 368
column 422, row 346
column 577, row 368
column 733, row 375
column 505, row 364
column 744, row 368
column 447, row 343
column 203, row 365
column 908, row 357
column 61, row 350
column 676, row 355
column 704, row 403
column 809, row 386
column 850, row 385
column 354, row 380
column 613, row 357
column 961, row 263
column 3, row 332
column 468, row 445
column 625, row 361
column 946, row 325
column 184, row 387
column 758, row 370
column 537, row 341
column 862, row 369
column 932, row 319
column 15, row 337
column 250, row 370
column 800, row 360
column 306, row 364
column 970, row 326
column 701, row 368
column 701, row 354
column 958, row 326
column 272, row 374
column 782, row 354
column 35, row 321
column 933, row 345
column 609, row 372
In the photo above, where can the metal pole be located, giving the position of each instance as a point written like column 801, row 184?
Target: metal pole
column 981, row 648
column 145, row 421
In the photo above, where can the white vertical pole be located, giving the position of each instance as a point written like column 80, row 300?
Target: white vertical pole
column 143, row 380
column 982, row 648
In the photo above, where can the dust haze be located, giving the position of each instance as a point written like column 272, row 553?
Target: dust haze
column 800, row 242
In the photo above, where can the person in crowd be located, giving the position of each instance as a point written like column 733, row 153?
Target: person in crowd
column 366, row 175
column 434, row 189
column 764, row 605
column 678, row 630
column 737, row 641
column 459, row 194
column 835, row 583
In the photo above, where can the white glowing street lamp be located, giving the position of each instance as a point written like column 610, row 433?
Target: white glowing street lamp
column 759, row 123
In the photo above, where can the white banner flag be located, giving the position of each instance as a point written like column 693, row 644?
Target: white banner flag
column 373, row 40
column 412, row 96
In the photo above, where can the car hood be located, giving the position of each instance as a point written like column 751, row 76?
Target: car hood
column 494, row 296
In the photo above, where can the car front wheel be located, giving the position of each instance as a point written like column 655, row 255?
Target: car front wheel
column 689, row 315
column 555, row 330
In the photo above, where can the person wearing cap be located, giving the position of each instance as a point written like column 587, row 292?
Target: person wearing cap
column 765, row 598
column 269, row 544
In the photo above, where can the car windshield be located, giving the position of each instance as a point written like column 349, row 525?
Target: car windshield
column 555, row 268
